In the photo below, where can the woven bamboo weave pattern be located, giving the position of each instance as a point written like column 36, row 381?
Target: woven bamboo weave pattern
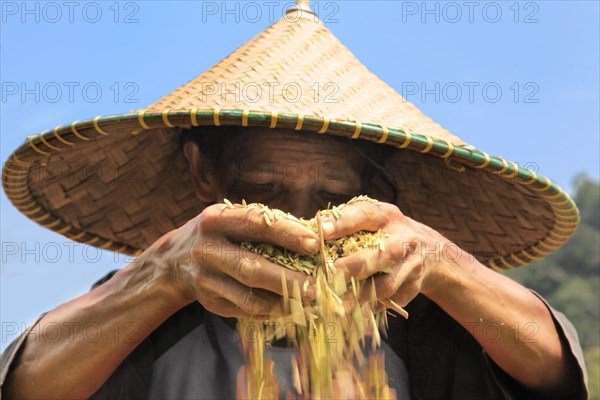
column 118, row 182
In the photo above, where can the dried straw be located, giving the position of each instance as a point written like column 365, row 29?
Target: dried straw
column 330, row 333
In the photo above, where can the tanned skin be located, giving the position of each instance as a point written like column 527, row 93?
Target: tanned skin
column 201, row 262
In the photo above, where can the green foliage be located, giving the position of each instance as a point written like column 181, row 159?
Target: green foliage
column 577, row 299
column 570, row 277
column 588, row 199
column 592, row 361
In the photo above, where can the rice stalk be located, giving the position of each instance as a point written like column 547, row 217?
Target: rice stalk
column 331, row 332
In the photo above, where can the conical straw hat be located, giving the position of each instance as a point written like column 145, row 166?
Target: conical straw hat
column 293, row 75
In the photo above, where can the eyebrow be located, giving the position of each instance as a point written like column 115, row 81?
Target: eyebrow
column 339, row 175
column 343, row 174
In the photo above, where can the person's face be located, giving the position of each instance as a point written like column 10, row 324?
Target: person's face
column 299, row 173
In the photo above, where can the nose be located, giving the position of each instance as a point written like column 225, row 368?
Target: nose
column 300, row 204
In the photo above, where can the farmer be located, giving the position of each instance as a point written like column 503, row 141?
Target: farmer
column 454, row 215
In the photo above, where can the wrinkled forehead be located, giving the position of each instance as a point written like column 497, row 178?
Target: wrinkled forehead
column 263, row 142
column 257, row 144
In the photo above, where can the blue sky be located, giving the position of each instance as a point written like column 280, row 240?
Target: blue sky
column 517, row 79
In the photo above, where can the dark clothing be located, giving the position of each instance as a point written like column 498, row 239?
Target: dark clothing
column 442, row 359
column 197, row 355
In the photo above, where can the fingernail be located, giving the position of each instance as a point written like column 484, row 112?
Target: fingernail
column 328, row 228
column 310, row 246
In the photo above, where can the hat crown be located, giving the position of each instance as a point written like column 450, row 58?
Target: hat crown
column 293, row 75
column 303, row 5
column 298, row 64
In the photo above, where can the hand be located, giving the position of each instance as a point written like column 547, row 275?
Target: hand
column 203, row 262
column 411, row 250
column 422, row 260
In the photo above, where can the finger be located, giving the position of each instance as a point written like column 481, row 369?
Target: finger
column 406, row 292
column 379, row 306
column 260, row 225
column 255, row 302
column 404, row 295
column 227, row 309
column 255, row 271
column 356, row 216
column 248, row 302
column 389, row 303
column 386, row 285
column 365, row 263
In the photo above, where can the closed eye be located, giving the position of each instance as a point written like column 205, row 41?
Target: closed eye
column 250, row 187
column 335, row 198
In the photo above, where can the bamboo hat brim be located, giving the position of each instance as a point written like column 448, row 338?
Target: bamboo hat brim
column 139, row 189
